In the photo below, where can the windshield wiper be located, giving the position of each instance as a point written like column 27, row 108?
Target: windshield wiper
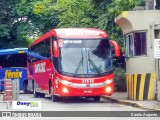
column 80, row 63
column 93, row 64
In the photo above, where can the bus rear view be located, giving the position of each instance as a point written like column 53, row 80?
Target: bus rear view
column 80, row 64
column 13, row 63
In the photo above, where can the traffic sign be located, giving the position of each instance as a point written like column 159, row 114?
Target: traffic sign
column 157, row 48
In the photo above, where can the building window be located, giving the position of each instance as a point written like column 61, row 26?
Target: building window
column 136, row 44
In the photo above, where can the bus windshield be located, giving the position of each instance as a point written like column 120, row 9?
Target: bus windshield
column 85, row 56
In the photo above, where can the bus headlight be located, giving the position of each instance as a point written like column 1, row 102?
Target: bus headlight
column 108, row 89
column 65, row 90
column 108, row 81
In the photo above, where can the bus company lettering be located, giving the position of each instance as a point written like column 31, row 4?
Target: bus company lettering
column 11, row 74
column 40, row 67
column 87, row 32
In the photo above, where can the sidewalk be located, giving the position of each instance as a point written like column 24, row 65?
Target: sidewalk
column 121, row 98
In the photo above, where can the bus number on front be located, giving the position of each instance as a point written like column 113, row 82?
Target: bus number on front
column 87, row 81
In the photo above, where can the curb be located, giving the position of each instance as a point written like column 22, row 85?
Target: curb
column 129, row 103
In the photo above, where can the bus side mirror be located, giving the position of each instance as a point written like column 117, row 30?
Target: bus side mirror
column 116, row 47
column 55, row 49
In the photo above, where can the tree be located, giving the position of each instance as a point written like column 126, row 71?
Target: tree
column 14, row 22
column 75, row 13
column 22, row 19
column 45, row 15
column 19, row 22
column 107, row 10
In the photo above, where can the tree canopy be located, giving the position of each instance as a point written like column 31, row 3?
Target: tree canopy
column 23, row 20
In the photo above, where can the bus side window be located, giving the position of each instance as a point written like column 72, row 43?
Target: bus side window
column 53, row 40
column 47, row 46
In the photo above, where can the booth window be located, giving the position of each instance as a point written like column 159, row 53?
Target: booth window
column 136, row 44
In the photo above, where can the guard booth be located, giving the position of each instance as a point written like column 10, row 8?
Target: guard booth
column 141, row 30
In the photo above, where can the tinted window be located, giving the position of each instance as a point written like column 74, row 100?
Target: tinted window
column 136, row 44
column 39, row 51
column 13, row 60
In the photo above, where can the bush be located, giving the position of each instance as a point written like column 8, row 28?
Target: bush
column 120, row 79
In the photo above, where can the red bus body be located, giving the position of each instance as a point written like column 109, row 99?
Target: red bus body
column 48, row 74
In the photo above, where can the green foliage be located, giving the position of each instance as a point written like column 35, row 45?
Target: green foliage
column 14, row 22
column 28, row 40
column 20, row 18
column 4, row 31
column 120, row 79
column 107, row 10
column 74, row 13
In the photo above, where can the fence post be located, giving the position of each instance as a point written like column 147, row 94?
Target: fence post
column 15, row 89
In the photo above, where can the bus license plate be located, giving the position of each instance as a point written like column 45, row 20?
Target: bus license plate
column 87, row 91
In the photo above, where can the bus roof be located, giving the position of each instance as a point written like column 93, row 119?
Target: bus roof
column 13, row 51
column 81, row 33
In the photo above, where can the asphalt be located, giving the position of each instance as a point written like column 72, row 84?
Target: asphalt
column 121, row 98
column 117, row 97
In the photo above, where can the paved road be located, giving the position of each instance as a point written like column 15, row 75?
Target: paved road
column 77, row 104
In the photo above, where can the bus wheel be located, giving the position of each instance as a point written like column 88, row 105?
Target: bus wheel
column 97, row 98
column 53, row 97
column 36, row 94
column 25, row 88
column 42, row 95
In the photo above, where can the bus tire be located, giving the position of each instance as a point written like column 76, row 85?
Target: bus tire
column 25, row 91
column 42, row 95
column 65, row 98
column 97, row 98
column 54, row 98
column 36, row 94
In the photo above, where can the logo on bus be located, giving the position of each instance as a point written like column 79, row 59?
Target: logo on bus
column 11, row 74
column 40, row 67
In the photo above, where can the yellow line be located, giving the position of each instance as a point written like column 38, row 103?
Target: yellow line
column 135, row 85
column 132, row 86
column 151, row 87
column 141, row 90
column 127, row 85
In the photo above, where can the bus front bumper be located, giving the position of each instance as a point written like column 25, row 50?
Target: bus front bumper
column 86, row 91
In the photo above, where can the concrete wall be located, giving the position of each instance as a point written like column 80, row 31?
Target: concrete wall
column 142, row 72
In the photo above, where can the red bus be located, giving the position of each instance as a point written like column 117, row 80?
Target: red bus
column 72, row 62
